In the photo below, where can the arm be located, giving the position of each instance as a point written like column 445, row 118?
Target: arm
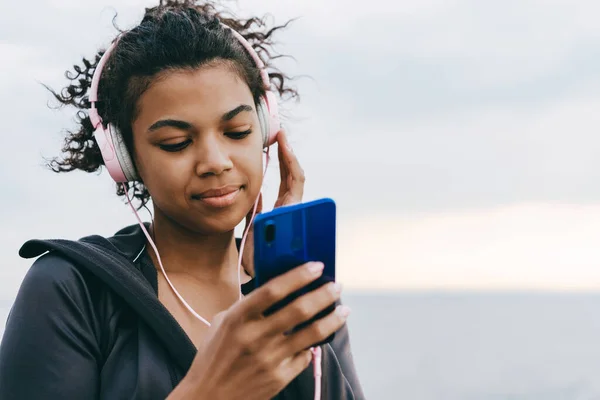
column 49, row 349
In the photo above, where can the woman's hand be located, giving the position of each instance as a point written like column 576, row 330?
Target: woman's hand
column 291, row 189
column 247, row 355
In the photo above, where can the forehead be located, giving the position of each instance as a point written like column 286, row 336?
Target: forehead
column 203, row 93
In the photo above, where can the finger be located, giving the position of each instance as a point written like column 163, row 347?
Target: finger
column 282, row 149
column 283, row 165
column 318, row 330
column 278, row 288
column 290, row 170
column 293, row 366
column 289, row 162
column 303, row 308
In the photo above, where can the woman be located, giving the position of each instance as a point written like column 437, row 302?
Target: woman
column 178, row 112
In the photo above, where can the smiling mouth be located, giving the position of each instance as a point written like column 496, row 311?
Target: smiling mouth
column 219, row 198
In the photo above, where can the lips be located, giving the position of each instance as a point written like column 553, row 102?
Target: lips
column 219, row 197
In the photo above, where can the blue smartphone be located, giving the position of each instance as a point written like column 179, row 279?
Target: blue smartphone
column 290, row 236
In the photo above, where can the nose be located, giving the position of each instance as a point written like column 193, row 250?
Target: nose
column 213, row 157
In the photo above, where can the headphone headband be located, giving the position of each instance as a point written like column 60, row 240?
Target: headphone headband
column 93, row 98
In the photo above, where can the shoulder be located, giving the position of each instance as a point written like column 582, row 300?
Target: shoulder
column 55, row 325
column 82, row 280
column 56, row 301
column 76, row 264
column 57, row 286
column 70, row 275
column 52, row 270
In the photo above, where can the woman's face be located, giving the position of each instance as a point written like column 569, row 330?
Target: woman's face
column 198, row 148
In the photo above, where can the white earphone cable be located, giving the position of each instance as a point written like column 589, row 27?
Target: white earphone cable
column 316, row 352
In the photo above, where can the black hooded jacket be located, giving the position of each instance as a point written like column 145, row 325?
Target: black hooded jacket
column 87, row 324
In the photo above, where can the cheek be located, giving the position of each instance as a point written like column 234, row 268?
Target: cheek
column 159, row 174
column 255, row 171
column 248, row 162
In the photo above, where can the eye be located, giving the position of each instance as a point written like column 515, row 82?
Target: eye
column 238, row 135
column 175, row 147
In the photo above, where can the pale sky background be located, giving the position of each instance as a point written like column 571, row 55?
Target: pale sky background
column 459, row 138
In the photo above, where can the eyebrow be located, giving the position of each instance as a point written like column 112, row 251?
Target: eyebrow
column 175, row 123
column 229, row 115
column 182, row 125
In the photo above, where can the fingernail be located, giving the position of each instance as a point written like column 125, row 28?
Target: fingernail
column 337, row 288
column 342, row 311
column 316, row 268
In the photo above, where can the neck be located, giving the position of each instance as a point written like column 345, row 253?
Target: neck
column 209, row 258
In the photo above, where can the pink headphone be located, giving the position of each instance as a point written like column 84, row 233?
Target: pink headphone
column 117, row 160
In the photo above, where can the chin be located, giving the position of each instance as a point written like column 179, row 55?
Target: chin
column 218, row 226
column 218, row 223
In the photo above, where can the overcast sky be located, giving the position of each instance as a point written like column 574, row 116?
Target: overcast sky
column 460, row 134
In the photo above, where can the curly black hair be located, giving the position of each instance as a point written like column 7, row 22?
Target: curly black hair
column 176, row 34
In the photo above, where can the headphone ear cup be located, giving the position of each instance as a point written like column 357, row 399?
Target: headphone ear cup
column 107, row 151
column 263, row 119
column 122, row 154
column 273, row 118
